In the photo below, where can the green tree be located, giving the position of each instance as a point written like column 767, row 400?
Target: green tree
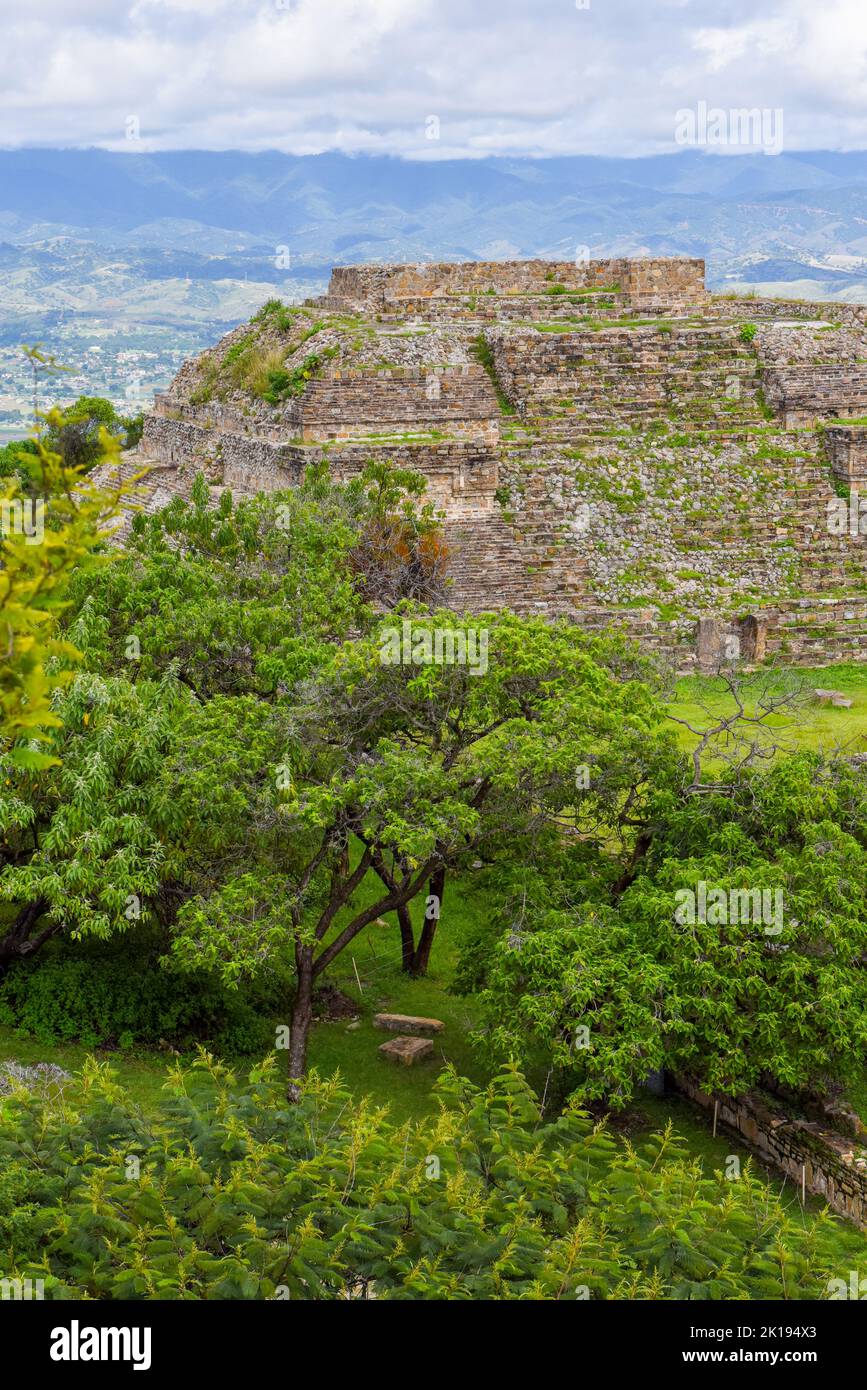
column 399, row 771
column 47, row 537
column 250, row 596
column 92, row 843
column 765, row 980
column 75, row 432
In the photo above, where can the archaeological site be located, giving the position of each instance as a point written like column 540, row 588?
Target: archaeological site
column 605, row 440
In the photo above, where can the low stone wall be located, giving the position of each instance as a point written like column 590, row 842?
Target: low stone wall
column 461, row 476
column 236, row 460
column 829, row 1164
column 672, row 279
column 650, row 282
column 471, row 309
column 746, row 310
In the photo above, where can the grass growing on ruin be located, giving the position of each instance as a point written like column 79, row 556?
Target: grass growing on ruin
column 481, row 350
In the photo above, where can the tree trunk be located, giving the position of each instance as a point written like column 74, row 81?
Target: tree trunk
column 421, row 955
column 302, row 1017
column 630, row 873
column 16, row 944
column 407, row 940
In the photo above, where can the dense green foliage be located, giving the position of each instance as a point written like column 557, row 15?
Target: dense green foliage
column 122, row 998
column 725, row 1000
column 230, row 750
column 50, row 531
column 75, row 434
column 229, row 1193
column 14, row 458
column 240, row 754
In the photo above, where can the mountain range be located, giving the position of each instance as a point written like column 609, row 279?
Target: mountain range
column 164, row 251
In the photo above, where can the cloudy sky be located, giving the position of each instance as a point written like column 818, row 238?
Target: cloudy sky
column 539, row 77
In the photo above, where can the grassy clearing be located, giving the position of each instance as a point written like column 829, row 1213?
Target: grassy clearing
column 813, row 725
column 384, row 988
column 142, row 1073
column 369, row 974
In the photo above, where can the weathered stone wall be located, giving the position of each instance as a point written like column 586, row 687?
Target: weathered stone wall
column 627, row 374
column 803, row 394
column 461, row 475
column 346, row 404
column 846, row 448
column 756, row 308
column 371, row 285
column 673, row 280
column 829, row 1164
column 235, row 460
column 642, row 478
column 648, row 282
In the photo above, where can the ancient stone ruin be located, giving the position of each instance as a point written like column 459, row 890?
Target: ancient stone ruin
column 829, row 1162
column 606, row 440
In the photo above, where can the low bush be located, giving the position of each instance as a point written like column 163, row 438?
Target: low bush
column 226, row 1191
column 121, row 999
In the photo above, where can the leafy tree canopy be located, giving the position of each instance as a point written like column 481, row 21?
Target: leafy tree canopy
column 629, row 981
column 47, row 537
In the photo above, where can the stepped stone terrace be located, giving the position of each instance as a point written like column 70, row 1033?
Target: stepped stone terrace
column 606, row 440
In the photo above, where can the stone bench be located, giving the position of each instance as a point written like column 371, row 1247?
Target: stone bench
column 407, row 1023
column 833, row 697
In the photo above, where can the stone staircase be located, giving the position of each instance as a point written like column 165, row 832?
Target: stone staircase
column 573, row 385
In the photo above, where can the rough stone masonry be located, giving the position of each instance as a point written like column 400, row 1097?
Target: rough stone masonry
column 605, row 439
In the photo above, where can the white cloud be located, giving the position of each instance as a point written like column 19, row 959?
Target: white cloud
column 503, row 76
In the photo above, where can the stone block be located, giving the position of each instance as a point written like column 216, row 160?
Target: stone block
column 408, row 1023
column 833, row 697
column 407, row 1051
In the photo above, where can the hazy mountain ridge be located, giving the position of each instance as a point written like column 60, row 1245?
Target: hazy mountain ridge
column 164, row 252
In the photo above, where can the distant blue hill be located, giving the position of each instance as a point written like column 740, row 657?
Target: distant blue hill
column 791, row 209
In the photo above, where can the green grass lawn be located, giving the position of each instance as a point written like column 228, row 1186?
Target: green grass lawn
column 812, row 725
column 142, row 1073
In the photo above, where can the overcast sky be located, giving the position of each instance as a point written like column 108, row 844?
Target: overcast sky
column 536, row 77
